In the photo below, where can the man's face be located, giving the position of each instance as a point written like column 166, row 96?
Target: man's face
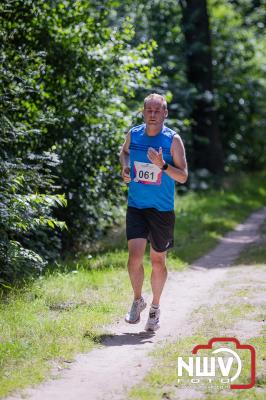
column 154, row 113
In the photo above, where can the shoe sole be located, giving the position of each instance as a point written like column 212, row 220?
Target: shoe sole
column 138, row 320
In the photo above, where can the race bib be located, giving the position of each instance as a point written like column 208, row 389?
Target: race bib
column 147, row 173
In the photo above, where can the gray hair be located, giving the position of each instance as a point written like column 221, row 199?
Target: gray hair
column 156, row 96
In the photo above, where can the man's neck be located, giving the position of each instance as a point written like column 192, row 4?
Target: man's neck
column 153, row 131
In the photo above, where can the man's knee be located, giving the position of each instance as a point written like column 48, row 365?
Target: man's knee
column 159, row 266
column 135, row 260
column 136, row 250
column 135, row 257
column 158, row 259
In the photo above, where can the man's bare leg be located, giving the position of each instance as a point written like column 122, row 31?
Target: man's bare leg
column 136, row 250
column 158, row 275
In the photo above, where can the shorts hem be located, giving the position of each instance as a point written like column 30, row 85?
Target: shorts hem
column 137, row 237
column 162, row 251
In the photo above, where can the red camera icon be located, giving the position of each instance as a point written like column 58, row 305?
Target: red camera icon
column 238, row 346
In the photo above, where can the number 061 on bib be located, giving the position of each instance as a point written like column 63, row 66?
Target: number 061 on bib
column 147, row 173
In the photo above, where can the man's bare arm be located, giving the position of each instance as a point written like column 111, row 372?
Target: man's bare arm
column 179, row 172
column 124, row 159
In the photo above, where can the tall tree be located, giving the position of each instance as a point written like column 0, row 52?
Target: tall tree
column 208, row 152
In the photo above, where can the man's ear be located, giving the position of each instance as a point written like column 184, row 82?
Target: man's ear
column 166, row 113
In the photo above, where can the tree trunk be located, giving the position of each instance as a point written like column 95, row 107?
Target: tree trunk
column 207, row 146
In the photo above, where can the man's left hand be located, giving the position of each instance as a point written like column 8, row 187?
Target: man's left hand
column 156, row 157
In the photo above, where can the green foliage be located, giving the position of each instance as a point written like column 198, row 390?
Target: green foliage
column 239, row 57
column 161, row 21
column 91, row 73
column 73, row 74
column 26, row 188
column 68, row 82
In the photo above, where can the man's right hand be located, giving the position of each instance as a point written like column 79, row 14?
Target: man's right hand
column 126, row 174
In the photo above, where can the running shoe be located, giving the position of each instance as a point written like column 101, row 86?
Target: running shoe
column 133, row 316
column 153, row 320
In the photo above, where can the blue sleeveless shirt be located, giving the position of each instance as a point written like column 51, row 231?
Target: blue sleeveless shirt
column 150, row 187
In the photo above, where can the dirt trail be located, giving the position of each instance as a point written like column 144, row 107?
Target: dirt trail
column 122, row 361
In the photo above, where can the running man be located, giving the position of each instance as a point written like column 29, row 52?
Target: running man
column 152, row 159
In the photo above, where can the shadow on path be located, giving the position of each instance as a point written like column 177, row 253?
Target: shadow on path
column 126, row 338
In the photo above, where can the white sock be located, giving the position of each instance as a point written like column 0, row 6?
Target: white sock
column 153, row 306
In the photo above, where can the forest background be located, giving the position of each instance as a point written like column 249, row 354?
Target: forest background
column 73, row 75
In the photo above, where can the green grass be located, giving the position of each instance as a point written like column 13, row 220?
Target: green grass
column 49, row 320
column 55, row 318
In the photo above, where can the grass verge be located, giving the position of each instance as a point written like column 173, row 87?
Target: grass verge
column 47, row 322
column 54, row 318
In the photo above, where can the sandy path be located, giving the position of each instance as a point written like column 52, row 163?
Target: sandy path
column 108, row 372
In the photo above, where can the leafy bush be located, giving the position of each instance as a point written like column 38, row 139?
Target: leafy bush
column 27, row 195
column 239, row 57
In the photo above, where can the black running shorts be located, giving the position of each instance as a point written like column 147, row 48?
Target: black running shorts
column 149, row 223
